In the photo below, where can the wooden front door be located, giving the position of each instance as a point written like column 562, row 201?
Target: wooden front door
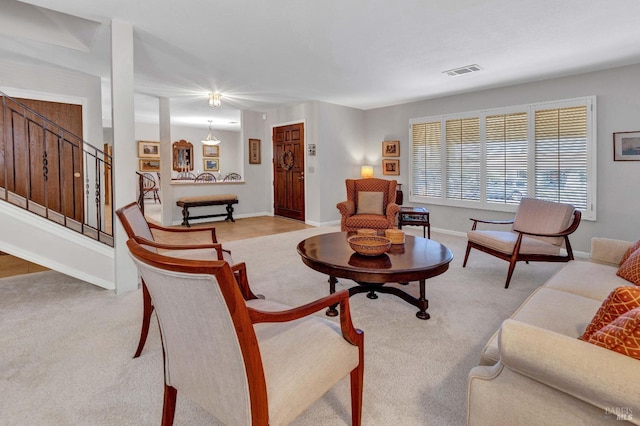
column 42, row 163
column 288, row 180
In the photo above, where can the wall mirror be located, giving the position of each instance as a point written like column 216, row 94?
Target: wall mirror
column 182, row 156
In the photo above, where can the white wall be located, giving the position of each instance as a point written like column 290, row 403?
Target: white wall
column 338, row 133
column 341, row 150
column 50, row 83
column 618, row 109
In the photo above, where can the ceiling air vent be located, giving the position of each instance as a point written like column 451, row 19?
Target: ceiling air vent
column 462, row 70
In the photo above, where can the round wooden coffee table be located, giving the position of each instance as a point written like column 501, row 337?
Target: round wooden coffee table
column 415, row 260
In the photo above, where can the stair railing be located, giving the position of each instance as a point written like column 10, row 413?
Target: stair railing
column 53, row 173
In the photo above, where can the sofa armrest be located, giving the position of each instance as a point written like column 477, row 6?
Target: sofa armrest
column 607, row 250
column 598, row 376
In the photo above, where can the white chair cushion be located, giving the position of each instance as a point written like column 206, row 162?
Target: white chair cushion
column 505, row 241
column 317, row 358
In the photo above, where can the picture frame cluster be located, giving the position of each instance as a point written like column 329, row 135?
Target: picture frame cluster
column 148, row 156
column 211, row 158
column 391, row 166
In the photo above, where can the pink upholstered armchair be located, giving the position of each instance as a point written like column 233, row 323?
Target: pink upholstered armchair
column 370, row 204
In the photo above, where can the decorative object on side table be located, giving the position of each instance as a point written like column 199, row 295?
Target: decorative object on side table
column 399, row 194
column 626, row 146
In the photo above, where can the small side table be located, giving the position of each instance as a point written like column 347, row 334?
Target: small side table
column 415, row 216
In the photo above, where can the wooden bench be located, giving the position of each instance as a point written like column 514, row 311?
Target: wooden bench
column 207, row 200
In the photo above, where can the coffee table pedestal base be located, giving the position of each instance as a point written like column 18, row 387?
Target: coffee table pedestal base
column 421, row 303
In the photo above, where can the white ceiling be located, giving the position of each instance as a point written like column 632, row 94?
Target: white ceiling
column 358, row 53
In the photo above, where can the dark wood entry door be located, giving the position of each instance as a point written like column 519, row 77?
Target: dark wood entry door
column 288, row 181
column 35, row 153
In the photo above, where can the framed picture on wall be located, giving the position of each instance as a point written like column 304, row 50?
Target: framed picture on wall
column 149, row 165
column 147, row 149
column 254, row 151
column 211, row 164
column 391, row 167
column 391, row 149
column 210, row 150
column 626, row 146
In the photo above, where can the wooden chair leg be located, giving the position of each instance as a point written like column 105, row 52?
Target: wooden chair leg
column 512, row 266
column 356, row 395
column 169, row 407
column 147, row 310
column 466, row 255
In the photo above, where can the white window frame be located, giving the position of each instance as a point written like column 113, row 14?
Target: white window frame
column 590, row 101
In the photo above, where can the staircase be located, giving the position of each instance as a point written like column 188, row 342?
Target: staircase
column 55, row 202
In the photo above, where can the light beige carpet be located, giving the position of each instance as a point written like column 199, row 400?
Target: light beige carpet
column 66, row 347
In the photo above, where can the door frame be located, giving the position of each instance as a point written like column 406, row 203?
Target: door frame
column 271, row 187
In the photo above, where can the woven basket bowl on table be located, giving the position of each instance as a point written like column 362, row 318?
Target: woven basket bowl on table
column 369, row 245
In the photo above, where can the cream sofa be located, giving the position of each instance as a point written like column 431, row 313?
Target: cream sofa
column 535, row 370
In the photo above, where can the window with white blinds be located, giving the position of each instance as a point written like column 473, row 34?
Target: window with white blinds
column 506, row 153
column 463, row 159
column 561, row 155
column 492, row 159
column 426, row 151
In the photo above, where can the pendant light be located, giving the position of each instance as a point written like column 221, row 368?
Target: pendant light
column 210, row 140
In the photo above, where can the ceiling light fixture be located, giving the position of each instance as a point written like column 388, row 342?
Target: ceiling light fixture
column 210, row 140
column 215, row 99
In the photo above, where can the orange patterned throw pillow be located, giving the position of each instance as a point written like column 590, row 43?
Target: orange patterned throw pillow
column 622, row 335
column 619, row 301
column 630, row 268
column 630, row 251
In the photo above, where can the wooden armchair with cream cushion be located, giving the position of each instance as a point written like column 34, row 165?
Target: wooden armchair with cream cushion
column 370, row 204
column 539, row 231
column 247, row 362
column 205, row 247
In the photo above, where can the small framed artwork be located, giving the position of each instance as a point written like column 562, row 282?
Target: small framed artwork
column 147, row 149
column 210, row 151
column 149, row 165
column 391, row 149
column 390, row 167
column 254, row 151
column 211, row 164
column 626, row 146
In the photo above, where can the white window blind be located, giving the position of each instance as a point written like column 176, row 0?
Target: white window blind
column 463, row 158
column 506, row 157
column 561, row 155
column 491, row 159
column 426, row 159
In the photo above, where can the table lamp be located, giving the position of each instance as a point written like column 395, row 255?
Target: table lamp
column 366, row 172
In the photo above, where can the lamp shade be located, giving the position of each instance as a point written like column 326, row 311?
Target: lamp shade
column 366, row 172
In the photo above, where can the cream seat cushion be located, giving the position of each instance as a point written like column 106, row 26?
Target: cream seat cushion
column 316, row 354
column 505, row 241
column 547, row 308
